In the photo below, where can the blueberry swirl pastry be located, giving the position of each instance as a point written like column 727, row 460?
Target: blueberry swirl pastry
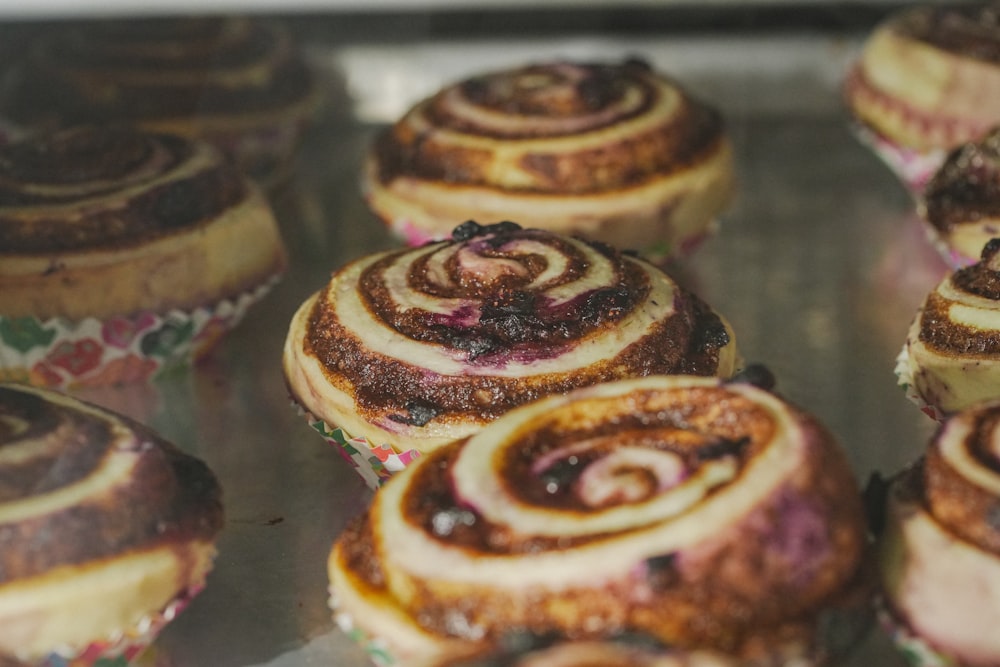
column 940, row 548
column 927, row 80
column 951, row 358
column 616, row 153
column 124, row 252
column 708, row 515
column 105, row 528
column 237, row 83
column 961, row 203
column 421, row 346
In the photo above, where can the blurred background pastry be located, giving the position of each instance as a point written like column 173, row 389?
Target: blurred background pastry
column 613, row 152
column 927, row 80
column 961, row 203
column 124, row 253
column 108, row 530
column 239, row 83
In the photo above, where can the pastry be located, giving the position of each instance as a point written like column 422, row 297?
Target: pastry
column 123, row 252
column 951, row 357
column 927, row 80
column 961, row 203
column 235, row 82
column 412, row 348
column 616, row 153
column 106, row 530
column 625, row 651
column 939, row 551
column 706, row 514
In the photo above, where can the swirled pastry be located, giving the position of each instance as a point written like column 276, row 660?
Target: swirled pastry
column 103, row 525
column 123, row 252
column 961, row 203
column 237, row 83
column 706, row 514
column 928, row 80
column 422, row 346
column 615, row 153
column 626, row 651
column 940, row 549
column 951, row 358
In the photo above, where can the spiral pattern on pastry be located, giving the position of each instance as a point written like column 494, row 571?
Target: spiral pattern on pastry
column 93, row 507
column 236, row 82
column 417, row 347
column 929, row 77
column 962, row 200
column 98, row 221
column 952, row 350
column 701, row 512
column 940, row 552
column 616, row 153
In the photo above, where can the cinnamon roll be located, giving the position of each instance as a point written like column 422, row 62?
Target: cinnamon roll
column 109, row 235
column 951, row 357
column 626, row 651
column 616, row 153
column 708, row 515
column 105, row 528
column 416, row 347
column 939, row 553
column 961, row 203
column 927, row 80
column 237, row 83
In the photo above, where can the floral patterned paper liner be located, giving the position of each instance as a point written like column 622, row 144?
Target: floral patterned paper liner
column 912, row 167
column 916, row 651
column 375, row 463
column 904, row 378
column 62, row 353
column 124, row 648
column 376, row 649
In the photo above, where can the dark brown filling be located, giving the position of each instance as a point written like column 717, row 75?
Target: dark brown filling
column 101, row 74
column 171, row 497
column 971, row 30
column 694, row 132
column 967, row 187
column 938, row 331
column 687, row 342
column 38, row 223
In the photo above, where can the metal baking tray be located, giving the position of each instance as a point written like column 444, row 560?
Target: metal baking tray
column 819, row 265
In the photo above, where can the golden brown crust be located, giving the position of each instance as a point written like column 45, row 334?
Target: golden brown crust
column 141, row 491
column 929, row 78
column 147, row 222
column 954, row 499
column 447, row 337
column 235, row 82
column 612, row 152
column 962, row 200
column 102, row 524
column 640, row 482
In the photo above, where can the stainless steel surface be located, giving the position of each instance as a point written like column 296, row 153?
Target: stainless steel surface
column 819, row 265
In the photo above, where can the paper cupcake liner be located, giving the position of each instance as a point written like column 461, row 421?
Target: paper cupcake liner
column 130, row 647
column 916, row 651
column 375, row 463
column 904, row 377
column 376, row 649
column 914, row 168
column 62, row 353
